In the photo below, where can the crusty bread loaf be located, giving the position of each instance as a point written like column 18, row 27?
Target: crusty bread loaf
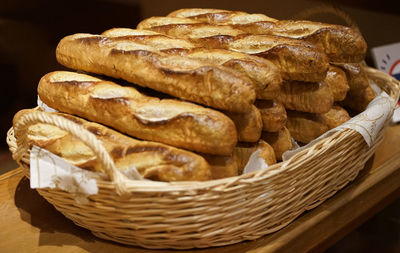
column 220, row 16
column 273, row 114
column 189, row 79
column 233, row 165
column 264, row 74
column 153, row 160
column 223, row 166
column 305, row 127
column 305, row 97
column 340, row 43
column 356, row 76
column 297, row 59
column 280, row 141
column 248, row 125
column 337, row 81
column 336, row 116
column 358, row 100
column 169, row 121
column 360, row 93
column 243, row 151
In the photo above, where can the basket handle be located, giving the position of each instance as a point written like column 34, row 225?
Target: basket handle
column 78, row 131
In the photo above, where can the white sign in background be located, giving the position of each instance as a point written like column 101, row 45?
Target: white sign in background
column 387, row 59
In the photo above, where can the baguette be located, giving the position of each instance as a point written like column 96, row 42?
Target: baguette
column 358, row 100
column 337, row 81
column 280, row 141
column 153, row 160
column 356, row 76
column 273, row 115
column 306, row 97
column 336, row 116
column 264, row 74
column 340, row 43
column 211, row 85
column 244, row 150
column 222, row 166
column 297, row 60
column 305, row 127
column 169, row 121
column 248, row 125
column 218, row 16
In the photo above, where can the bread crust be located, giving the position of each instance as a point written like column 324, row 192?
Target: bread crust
column 169, row 121
column 153, row 160
column 337, row 81
column 297, row 59
column 306, row 97
column 248, row 125
column 280, row 141
column 340, row 43
column 263, row 73
column 336, row 116
column 305, row 127
column 273, row 114
column 188, row 79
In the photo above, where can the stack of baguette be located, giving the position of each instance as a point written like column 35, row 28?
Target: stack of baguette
column 225, row 84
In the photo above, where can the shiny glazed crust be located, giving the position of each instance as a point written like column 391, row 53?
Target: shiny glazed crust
column 340, row 43
column 273, row 114
column 153, row 160
column 336, row 116
column 189, row 79
column 337, row 81
column 248, row 125
column 169, row 121
column 297, row 59
column 306, row 97
column 263, row 73
column 280, row 141
column 305, row 127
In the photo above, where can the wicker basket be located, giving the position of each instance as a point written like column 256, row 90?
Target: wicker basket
column 212, row 213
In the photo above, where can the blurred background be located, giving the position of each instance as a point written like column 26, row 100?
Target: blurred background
column 30, row 31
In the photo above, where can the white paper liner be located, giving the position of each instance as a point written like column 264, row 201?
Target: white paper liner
column 49, row 170
column 256, row 162
column 44, row 107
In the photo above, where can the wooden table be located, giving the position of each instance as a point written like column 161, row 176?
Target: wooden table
column 30, row 224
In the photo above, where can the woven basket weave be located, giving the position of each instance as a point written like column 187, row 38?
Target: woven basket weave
column 213, row 213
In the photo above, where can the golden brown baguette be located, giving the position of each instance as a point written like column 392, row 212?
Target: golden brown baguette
column 264, row 74
column 297, row 59
column 360, row 93
column 305, row 127
column 233, row 165
column 336, row 116
column 189, row 79
column 337, row 82
column 280, row 141
column 273, row 114
column 220, row 16
column 243, row 151
column 306, row 97
column 356, row 76
column 358, row 100
column 153, row 160
column 340, row 43
column 248, row 125
column 223, row 166
column 169, row 121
